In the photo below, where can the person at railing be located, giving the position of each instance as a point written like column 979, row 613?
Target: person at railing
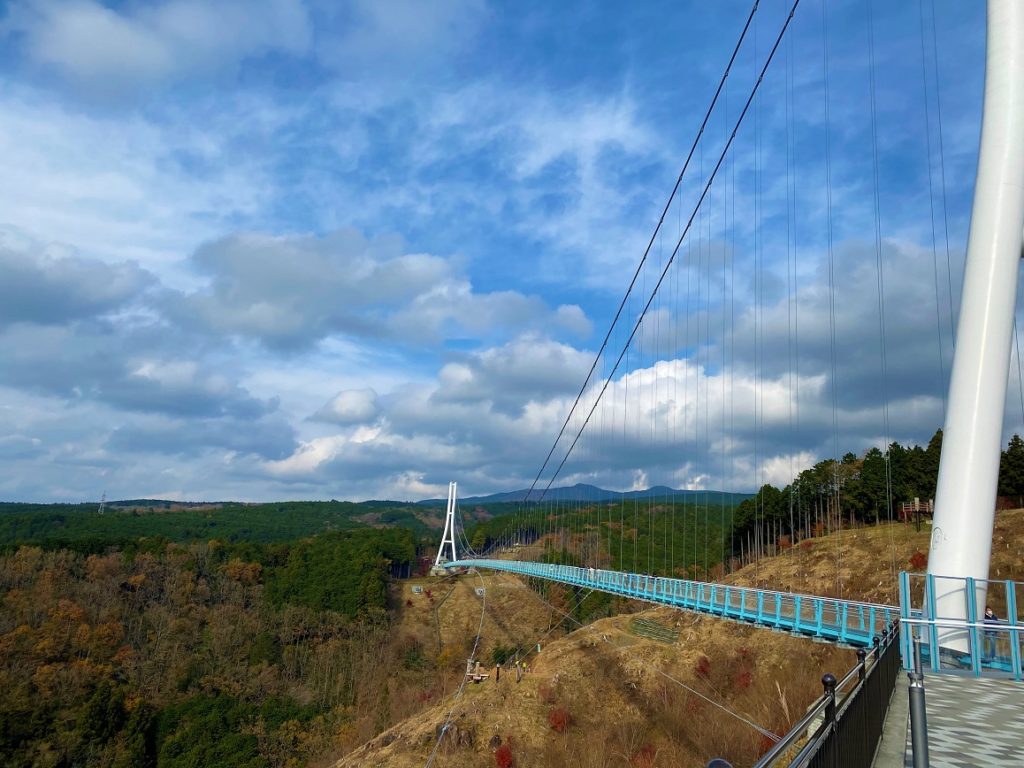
column 990, row 635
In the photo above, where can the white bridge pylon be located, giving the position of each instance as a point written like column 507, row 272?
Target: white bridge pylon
column 965, row 499
column 448, row 537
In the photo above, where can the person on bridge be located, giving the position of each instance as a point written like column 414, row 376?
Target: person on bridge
column 990, row 636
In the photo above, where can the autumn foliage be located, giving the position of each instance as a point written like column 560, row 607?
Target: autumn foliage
column 173, row 655
column 503, row 756
column 644, row 757
column 703, row 667
column 559, row 720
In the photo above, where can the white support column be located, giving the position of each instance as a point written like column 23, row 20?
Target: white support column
column 961, row 542
column 448, row 537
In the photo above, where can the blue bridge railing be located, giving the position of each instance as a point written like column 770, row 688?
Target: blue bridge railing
column 842, row 621
column 950, row 629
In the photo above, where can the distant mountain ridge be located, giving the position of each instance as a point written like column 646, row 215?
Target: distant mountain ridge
column 584, row 492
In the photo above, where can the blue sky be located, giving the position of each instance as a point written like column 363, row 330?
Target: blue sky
column 286, row 249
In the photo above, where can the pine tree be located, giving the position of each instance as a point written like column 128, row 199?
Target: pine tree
column 1011, row 469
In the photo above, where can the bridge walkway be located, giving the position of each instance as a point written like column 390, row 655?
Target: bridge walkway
column 842, row 621
column 971, row 721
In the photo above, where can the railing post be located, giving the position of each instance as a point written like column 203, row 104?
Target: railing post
column 918, row 719
column 828, row 682
column 1011, row 615
column 862, row 660
column 883, row 701
column 930, row 614
column 972, row 616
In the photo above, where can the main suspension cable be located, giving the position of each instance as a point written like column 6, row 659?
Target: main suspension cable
column 647, row 250
column 675, row 251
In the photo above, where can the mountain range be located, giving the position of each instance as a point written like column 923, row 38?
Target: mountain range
column 584, row 492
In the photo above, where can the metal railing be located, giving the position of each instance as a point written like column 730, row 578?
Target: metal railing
column 842, row 729
column 843, row 621
column 957, row 638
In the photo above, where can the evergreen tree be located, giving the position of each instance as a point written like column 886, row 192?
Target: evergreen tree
column 930, row 466
column 1011, row 469
column 872, row 488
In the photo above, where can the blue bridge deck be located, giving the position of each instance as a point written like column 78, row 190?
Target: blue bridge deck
column 842, row 621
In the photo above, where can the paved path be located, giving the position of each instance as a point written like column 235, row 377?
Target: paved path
column 893, row 746
column 973, row 722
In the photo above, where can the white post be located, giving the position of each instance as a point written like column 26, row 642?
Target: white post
column 448, row 537
column 961, row 544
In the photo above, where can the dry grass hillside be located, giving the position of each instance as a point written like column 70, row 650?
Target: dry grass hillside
column 603, row 696
column 869, row 558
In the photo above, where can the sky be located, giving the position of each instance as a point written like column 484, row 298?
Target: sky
column 300, row 249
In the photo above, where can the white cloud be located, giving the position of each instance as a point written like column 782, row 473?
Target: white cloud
column 112, row 51
column 291, row 292
column 529, row 369
column 399, row 38
column 350, row 406
column 45, row 285
column 125, row 188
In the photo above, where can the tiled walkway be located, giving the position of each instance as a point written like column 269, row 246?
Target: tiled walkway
column 973, row 722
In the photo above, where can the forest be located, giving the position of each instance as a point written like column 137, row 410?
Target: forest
column 855, row 490
column 263, row 636
column 197, row 654
column 80, row 526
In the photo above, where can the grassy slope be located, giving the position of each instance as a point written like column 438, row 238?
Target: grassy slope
column 870, row 558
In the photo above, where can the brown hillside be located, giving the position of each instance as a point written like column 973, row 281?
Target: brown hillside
column 603, row 696
column 869, row 559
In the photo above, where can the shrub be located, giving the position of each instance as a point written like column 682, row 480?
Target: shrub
column 559, row 719
column 744, row 679
column 645, row 756
column 703, row 667
column 919, row 561
column 503, row 756
column 502, row 653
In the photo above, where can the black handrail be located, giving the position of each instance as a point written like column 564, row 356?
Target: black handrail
column 851, row 724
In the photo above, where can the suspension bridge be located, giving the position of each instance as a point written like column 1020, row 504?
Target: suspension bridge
column 718, row 346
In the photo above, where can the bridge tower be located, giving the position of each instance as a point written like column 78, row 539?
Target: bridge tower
column 448, row 537
column 961, row 544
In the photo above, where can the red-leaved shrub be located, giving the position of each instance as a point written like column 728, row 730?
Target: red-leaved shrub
column 918, row 561
column 644, row 757
column 559, row 719
column 503, row 756
column 744, row 679
column 703, row 667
